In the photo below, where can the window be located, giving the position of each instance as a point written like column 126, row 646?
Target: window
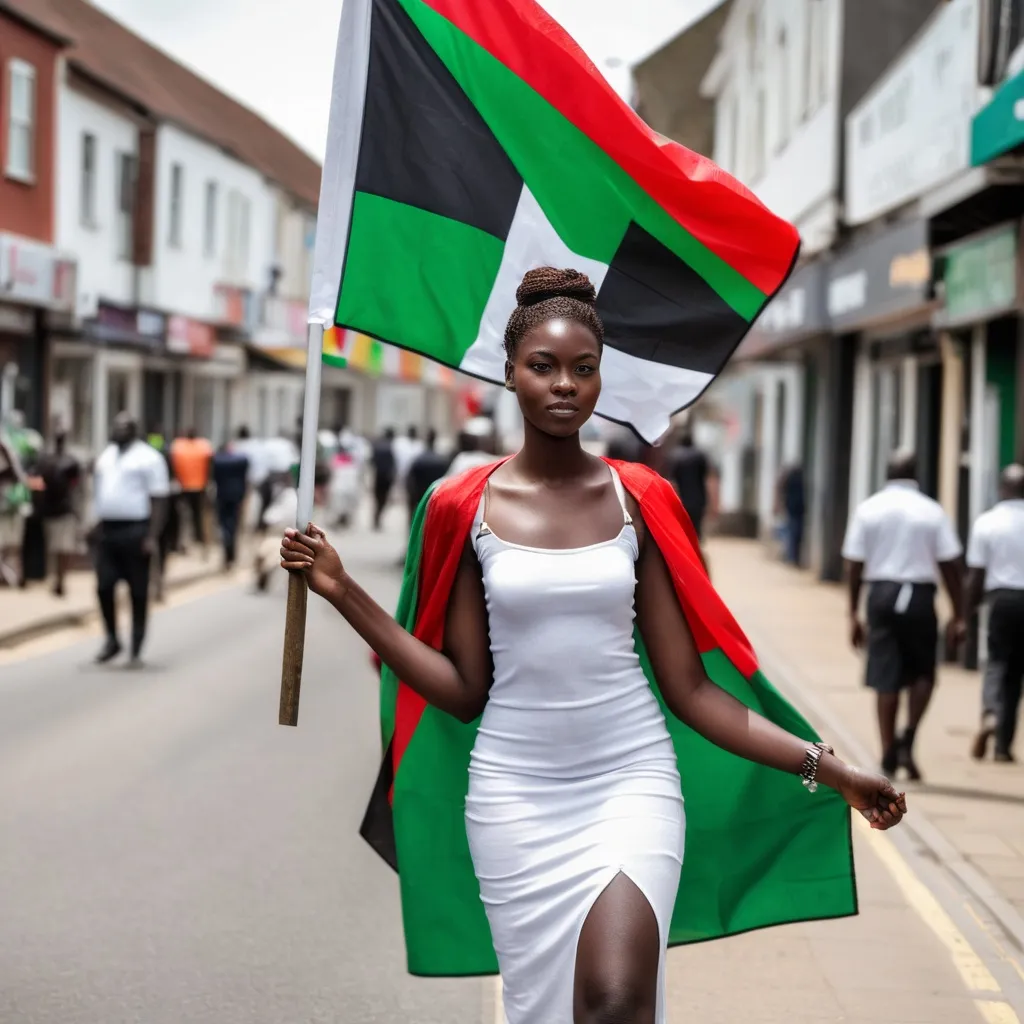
column 210, row 220
column 238, row 228
column 782, row 78
column 21, row 120
column 87, row 198
column 125, row 206
column 177, row 201
column 816, row 55
column 71, row 398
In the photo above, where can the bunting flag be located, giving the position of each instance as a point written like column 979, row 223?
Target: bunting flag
column 470, row 142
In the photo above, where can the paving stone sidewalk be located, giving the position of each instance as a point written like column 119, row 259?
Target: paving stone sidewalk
column 801, row 625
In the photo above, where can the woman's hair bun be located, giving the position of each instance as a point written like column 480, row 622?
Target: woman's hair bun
column 550, row 283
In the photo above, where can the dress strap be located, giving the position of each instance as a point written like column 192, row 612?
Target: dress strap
column 484, row 528
column 621, row 493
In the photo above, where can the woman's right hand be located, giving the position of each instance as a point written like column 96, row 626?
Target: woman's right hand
column 311, row 554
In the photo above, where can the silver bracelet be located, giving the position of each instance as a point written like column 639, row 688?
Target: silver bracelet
column 809, row 771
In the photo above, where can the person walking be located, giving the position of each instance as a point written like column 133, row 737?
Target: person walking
column 689, row 470
column 60, row 474
column 260, row 487
column 895, row 541
column 191, row 457
column 131, row 489
column 170, row 535
column 230, row 477
column 573, row 821
column 429, row 466
column 791, row 502
column 384, row 467
column 995, row 561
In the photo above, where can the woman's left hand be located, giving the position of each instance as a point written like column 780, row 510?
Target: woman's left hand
column 874, row 796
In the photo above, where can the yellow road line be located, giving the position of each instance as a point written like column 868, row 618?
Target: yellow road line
column 976, row 976
column 996, row 1013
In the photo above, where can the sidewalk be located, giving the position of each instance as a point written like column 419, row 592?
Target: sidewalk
column 974, row 811
column 35, row 611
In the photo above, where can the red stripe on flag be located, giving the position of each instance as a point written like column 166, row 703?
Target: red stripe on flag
column 714, row 207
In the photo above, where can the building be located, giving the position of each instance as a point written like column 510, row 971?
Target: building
column 785, row 76
column 36, row 280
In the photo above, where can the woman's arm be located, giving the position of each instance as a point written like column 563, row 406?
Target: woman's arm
column 718, row 716
column 456, row 681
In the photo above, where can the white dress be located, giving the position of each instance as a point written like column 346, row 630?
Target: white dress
column 573, row 776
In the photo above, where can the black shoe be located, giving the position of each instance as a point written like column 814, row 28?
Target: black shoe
column 979, row 745
column 111, row 649
column 890, row 760
column 905, row 759
column 1004, row 757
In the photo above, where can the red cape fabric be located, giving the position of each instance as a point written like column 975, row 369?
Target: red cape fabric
column 450, row 515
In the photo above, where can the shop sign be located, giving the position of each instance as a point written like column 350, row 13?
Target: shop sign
column 980, row 276
column 235, row 307
column 798, row 311
column 886, row 275
column 913, row 130
column 121, row 325
column 189, row 337
column 34, row 274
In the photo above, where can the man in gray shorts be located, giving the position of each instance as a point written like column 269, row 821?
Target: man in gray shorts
column 898, row 541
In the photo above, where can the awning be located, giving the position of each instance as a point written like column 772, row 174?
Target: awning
column 999, row 126
column 289, row 358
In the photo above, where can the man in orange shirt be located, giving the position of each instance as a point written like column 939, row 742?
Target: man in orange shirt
column 190, row 458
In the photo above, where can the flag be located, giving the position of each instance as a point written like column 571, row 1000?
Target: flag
column 470, row 142
column 760, row 849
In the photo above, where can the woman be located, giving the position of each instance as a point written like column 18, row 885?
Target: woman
column 574, row 812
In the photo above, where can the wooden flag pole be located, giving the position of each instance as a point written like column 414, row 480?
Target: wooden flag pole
column 295, row 611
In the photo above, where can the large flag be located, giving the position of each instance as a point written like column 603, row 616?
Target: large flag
column 471, row 141
column 760, row 849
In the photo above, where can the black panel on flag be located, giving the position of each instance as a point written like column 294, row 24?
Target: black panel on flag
column 656, row 307
column 423, row 142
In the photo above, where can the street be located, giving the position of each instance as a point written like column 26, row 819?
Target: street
column 172, row 854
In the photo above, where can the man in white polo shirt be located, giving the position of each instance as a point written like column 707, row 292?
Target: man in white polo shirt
column 130, row 496
column 895, row 542
column 995, row 559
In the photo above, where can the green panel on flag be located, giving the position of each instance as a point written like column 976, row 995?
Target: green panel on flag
column 424, row 258
column 586, row 196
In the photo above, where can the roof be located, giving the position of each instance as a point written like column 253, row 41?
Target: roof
column 32, row 23
column 113, row 56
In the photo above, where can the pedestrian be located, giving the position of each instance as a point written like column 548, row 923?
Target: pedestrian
column 995, row 560
column 191, row 456
column 573, row 821
column 689, row 470
column 895, row 542
column 60, row 473
column 231, row 478
column 260, row 487
column 406, row 449
column 14, row 494
column 383, row 474
column 429, row 466
column 791, row 503
column 131, row 490
column 170, row 535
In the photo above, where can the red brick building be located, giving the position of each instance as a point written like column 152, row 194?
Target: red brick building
column 34, row 281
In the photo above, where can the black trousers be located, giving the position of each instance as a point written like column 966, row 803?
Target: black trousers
column 228, row 513
column 195, row 502
column 382, row 485
column 120, row 555
column 1004, row 673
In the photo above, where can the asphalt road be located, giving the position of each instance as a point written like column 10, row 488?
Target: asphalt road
column 169, row 853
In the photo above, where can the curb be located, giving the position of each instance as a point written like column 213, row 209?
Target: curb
column 61, row 620
column 796, row 687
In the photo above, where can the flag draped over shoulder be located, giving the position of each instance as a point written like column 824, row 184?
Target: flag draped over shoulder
column 760, row 849
column 470, row 142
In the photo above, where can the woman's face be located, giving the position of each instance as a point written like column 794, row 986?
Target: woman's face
column 557, row 376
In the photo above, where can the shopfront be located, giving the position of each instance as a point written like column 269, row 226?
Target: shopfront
column 880, row 303
column 979, row 319
column 37, row 286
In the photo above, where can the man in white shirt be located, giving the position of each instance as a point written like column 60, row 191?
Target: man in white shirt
column 995, row 560
column 897, row 542
column 130, row 498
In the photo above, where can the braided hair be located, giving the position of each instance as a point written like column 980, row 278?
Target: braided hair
column 550, row 294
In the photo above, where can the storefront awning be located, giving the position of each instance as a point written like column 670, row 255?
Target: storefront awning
column 999, row 126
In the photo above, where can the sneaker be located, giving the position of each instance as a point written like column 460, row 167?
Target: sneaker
column 110, row 650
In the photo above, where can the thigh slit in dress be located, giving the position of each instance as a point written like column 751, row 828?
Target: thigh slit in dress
column 573, row 776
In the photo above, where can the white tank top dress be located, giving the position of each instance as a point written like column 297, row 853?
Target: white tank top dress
column 573, row 777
